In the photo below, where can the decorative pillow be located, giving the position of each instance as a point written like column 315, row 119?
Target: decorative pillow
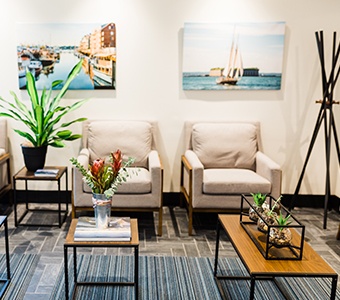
column 225, row 145
column 133, row 138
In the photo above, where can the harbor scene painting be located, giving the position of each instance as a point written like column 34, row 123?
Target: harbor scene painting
column 50, row 51
column 233, row 56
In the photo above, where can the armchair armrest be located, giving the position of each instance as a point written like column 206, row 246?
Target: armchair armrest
column 156, row 170
column 195, row 169
column 84, row 157
column 270, row 170
column 77, row 177
column 154, row 160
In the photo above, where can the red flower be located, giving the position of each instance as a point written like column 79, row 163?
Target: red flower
column 117, row 160
column 97, row 167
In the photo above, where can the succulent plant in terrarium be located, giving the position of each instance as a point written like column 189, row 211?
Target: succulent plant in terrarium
column 281, row 236
column 259, row 200
column 268, row 216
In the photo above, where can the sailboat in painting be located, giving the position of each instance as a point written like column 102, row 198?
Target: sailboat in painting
column 233, row 72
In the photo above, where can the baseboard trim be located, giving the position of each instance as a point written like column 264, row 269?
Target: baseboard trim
column 169, row 199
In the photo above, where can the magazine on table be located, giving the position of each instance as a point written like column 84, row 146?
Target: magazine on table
column 119, row 230
column 46, row 172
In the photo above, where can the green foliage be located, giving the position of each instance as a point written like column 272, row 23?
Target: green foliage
column 259, row 198
column 283, row 221
column 43, row 115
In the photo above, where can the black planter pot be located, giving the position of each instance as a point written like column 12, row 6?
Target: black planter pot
column 34, row 157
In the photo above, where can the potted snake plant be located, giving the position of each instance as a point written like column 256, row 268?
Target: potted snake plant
column 42, row 117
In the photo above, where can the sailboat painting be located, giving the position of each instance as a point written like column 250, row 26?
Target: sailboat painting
column 233, row 56
column 234, row 69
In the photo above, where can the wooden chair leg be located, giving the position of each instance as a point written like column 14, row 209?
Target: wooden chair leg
column 338, row 234
column 160, row 221
column 73, row 213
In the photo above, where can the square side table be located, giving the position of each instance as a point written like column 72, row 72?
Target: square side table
column 26, row 176
column 70, row 243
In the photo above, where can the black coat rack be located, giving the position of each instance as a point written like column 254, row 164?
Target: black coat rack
column 326, row 116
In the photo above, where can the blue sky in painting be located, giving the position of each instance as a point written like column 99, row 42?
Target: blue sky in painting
column 68, row 34
column 207, row 45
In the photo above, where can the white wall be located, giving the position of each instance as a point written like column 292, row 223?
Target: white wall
column 149, row 51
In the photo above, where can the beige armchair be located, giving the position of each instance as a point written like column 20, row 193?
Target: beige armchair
column 141, row 192
column 5, row 175
column 224, row 160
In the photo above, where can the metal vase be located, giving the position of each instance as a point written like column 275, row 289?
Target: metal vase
column 102, row 210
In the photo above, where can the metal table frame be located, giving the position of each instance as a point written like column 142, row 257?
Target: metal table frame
column 6, row 281
column 25, row 175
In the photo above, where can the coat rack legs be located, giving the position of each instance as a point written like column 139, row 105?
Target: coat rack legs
column 326, row 117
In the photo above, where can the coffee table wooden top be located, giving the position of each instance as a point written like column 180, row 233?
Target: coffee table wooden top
column 311, row 263
column 133, row 242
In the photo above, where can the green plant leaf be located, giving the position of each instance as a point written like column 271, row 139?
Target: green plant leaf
column 55, row 83
column 73, row 137
column 74, row 121
column 76, row 69
column 57, row 144
column 31, row 89
column 64, row 134
column 27, row 136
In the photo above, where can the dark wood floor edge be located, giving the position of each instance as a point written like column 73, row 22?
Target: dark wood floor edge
column 172, row 199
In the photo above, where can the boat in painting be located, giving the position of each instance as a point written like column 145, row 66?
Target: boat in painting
column 233, row 72
column 103, row 66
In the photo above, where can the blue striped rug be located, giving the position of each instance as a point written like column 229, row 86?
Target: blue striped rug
column 22, row 268
column 178, row 278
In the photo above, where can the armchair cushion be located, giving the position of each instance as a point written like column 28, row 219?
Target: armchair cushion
column 234, row 181
column 133, row 138
column 225, row 145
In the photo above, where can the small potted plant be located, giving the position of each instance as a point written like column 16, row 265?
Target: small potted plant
column 42, row 118
column 281, row 236
column 259, row 200
column 268, row 216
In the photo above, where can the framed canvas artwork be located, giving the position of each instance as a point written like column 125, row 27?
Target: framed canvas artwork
column 233, row 56
column 50, row 50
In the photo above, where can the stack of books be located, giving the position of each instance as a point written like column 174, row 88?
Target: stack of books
column 46, row 172
column 119, row 230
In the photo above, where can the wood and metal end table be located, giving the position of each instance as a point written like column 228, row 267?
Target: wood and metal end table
column 70, row 243
column 26, row 176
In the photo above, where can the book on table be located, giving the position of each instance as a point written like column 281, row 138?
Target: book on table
column 119, row 229
column 46, row 172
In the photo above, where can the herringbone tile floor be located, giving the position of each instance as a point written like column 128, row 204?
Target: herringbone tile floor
column 48, row 241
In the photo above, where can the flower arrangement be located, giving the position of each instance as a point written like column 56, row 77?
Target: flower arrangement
column 105, row 178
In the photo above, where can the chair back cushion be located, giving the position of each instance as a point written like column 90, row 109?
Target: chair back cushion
column 225, row 145
column 133, row 138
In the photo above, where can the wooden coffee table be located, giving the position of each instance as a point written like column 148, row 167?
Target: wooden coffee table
column 311, row 265
column 70, row 243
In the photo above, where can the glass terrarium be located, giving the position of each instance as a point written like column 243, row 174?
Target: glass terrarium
column 277, row 233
